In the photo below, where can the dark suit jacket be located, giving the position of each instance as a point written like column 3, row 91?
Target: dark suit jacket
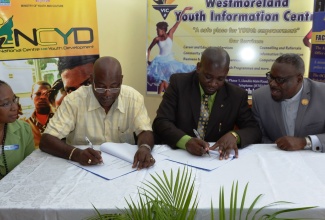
column 179, row 112
column 310, row 117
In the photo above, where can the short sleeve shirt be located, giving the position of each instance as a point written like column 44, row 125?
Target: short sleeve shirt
column 19, row 134
column 80, row 115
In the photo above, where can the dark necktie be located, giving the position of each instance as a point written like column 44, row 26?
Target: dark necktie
column 204, row 116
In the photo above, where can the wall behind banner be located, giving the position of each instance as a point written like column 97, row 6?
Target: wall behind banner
column 122, row 34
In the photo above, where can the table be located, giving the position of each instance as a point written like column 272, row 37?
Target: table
column 47, row 187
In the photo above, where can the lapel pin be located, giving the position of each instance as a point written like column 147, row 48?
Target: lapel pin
column 221, row 106
column 304, row 101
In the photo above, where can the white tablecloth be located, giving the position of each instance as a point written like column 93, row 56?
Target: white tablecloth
column 47, row 187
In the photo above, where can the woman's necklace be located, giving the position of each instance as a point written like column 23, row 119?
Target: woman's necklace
column 3, row 151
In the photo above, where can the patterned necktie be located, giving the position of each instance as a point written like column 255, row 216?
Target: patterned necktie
column 204, row 116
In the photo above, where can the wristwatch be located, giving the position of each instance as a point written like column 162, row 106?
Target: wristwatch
column 235, row 135
column 308, row 144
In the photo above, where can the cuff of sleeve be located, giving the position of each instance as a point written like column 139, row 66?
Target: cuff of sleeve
column 316, row 144
column 182, row 142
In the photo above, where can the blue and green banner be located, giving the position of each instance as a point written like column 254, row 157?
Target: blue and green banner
column 254, row 33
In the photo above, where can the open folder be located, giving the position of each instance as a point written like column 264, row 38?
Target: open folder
column 118, row 160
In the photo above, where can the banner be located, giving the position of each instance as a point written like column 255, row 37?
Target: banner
column 254, row 33
column 47, row 49
column 317, row 36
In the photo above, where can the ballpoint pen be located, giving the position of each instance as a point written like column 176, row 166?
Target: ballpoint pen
column 88, row 141
column 91, row 145
column 198, row 136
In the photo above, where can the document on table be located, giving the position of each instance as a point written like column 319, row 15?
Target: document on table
column 118, row 160
column 204, row 162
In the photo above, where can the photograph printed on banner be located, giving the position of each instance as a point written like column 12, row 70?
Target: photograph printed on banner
column 41, row 85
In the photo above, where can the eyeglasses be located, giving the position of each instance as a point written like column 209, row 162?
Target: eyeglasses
column 9, row 103
column 102, row 90
column 278, row 80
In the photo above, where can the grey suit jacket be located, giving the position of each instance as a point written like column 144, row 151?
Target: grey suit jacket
column 310, row 117
column 179, row 112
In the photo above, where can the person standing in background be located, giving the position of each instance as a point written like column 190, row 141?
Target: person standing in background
column 43, row 110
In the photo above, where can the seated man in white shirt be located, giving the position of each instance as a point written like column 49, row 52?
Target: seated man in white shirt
column 105, row 111
column 290, row 110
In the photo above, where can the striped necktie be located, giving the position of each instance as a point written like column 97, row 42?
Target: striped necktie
column 204, row 116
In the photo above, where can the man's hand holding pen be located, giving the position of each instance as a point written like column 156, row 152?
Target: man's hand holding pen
column 225, row 145
column 197, row 146
column 87, row 156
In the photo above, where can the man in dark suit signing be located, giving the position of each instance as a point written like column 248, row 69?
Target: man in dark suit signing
column 180, row 110
column 290, row 110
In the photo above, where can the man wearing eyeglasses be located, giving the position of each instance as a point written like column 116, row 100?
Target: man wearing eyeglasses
column 43, row 110
column 290, row 110
column 106, row 111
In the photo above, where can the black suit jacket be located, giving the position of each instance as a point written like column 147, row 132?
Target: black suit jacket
column 179, row 112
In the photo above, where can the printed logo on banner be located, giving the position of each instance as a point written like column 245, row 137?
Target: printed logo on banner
column 4, row 2
column 6, row 31
column 164, row 7
column 10, row 37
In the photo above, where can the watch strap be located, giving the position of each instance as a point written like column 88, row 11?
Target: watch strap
column 235, row 135
column 308, row 144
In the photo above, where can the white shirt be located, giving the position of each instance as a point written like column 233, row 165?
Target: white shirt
column 289, row 112
column 80, row 115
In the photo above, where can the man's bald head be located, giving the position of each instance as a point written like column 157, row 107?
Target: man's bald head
column 216, row 56
column 108, row 76
column 109, row 66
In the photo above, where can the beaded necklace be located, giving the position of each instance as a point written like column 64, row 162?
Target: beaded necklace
column 3, row 151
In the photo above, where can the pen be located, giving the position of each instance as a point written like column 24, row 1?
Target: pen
column 91, row 145
column 88, row 141
column 198, row 136
column 220, row 124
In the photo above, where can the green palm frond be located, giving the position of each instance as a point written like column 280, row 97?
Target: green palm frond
column 165, row 197
column 139, row 211
column 100, row 216
column 173, row 197
column 233, row 206
column 243, row 201
column 275, row 214
column 222, row 211
column 175, row 194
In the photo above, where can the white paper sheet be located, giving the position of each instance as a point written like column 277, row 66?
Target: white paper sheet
column 204, row 162
column 118, row 160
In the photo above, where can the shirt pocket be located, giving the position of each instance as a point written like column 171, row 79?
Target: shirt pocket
column 126, row 136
